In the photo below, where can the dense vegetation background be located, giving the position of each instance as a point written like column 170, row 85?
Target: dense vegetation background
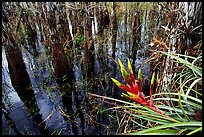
column 58, row 59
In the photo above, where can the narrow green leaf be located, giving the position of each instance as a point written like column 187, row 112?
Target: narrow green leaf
column 149, row 118
column 168, row 108
column 194, row 131
column 189, row 89
column 181, row 106
column 182, row 101
column 194, row 68
column 189, row 96
column 168, row 126
column 162, row 132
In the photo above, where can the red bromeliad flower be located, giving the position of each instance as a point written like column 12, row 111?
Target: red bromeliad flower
column 134, row 87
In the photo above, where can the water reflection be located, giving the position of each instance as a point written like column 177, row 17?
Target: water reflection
column 47, row 94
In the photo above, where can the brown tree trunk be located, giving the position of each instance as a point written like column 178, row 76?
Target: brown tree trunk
column 103, row 26
column 19, row 75
column 106, row 21
column 89, row 45
column 99, row 16
column 63, row 64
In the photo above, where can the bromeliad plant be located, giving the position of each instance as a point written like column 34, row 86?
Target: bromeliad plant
column 134, row 87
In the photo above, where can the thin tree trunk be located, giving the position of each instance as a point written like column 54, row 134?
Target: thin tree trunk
column 136, row 33
column 107, row 26
column 114, row 30
column 89, row 45
column 99, row 15
column 125, row 25
column 113, row 41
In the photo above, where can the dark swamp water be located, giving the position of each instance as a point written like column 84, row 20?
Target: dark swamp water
column 49, row 114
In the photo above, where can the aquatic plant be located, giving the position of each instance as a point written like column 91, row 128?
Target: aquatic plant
column 134, row 87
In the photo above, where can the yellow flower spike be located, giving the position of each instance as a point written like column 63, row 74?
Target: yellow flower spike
column 125, row 75
column 152, row 80
column 130, row 67
column 121, row 64
column 140, row 80
column 123, row 71
column 116, row 82
column 125, row 95
column 132, row 95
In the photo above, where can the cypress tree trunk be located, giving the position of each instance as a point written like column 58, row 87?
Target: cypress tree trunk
column 89, row 45
column 113, row 40
column 176, row 41
column 63, row 64
column 18, row 73
column 106, row 23
column 99, row 14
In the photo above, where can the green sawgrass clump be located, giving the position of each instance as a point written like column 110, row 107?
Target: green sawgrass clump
column 182, row 107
